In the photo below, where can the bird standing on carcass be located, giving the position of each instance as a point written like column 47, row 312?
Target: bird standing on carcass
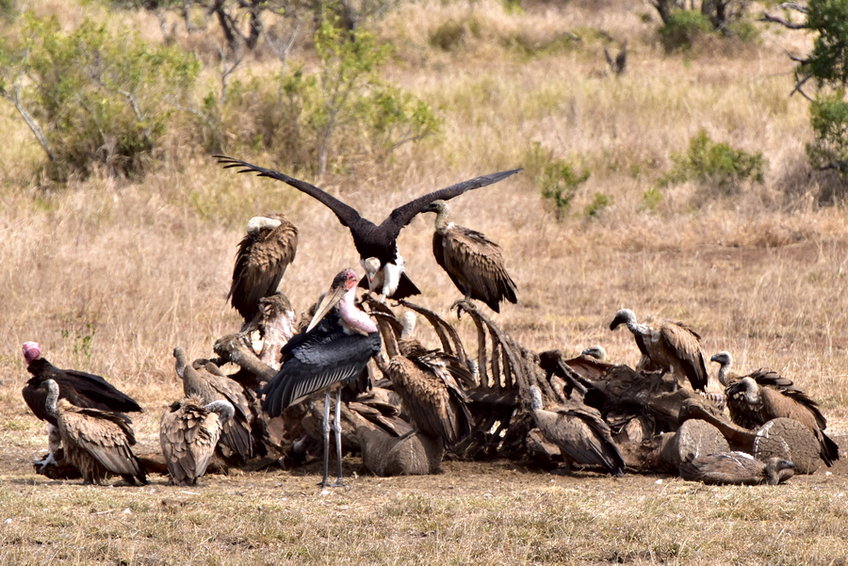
column 330, row 353
column 474, row 263
column 266, row 250
column 668, row 346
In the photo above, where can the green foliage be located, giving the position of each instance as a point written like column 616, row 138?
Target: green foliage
column 651, row 199
column 829, row 120
column 323, row 119
column 99, row 99
column 597, row 206
column 710, row 162
column 682, row 29
column 81, row 343
column 828, row 62
column 558, row 179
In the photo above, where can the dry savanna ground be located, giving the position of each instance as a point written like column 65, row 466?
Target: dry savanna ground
column 111, row 275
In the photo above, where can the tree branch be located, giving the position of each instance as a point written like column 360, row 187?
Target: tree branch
column 30, row 121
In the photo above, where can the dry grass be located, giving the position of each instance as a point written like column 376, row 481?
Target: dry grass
column 111, row 276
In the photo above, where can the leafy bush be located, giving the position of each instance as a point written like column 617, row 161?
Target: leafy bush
column 682, row 29
column 598, row 204
column 829, row 119
column 323, row 119
column 716, row 163
column 558, row 179
column 93, row 98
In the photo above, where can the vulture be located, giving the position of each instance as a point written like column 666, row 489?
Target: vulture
column 428, row 383
column 332, row 351
column 188, row 434
column 736, row 468
column 263, row 255
column 669, row 346
column 579, row 432
column 82, row 389
column 372, row 240
column 755, row 400
column 96, row 442
column 474, row 263
column 206, row 380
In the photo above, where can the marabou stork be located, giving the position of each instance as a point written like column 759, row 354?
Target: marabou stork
column 82, row 389
column 372, row 240
column 264, row 253
column 474, row 263
column 331, row 352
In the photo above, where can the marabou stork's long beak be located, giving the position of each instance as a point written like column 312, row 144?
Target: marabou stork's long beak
column 330, row 299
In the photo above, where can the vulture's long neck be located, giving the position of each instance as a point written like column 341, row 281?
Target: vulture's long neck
column 442, row 219
column 52, row 400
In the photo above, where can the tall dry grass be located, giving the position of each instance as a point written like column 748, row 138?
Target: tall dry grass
column 110, row 275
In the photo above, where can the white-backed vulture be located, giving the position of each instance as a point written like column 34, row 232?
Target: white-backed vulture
column 474, row 263
column 372, row 240
column 97, row 442
column 428, row 383
column 752, row 402
column 579, row 432
column 205, row 380
column 82, row 389
column 188, row 433
column 263, row 255
column 669, row 346
column 736, row 468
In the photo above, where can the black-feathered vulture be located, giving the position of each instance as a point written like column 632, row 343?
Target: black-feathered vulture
column 373, row 240
column 82, row 389
column 188, row 433
column 669, row 346
column 474, row 263
column 332, row 351
column 98, row 443
column 263, row 255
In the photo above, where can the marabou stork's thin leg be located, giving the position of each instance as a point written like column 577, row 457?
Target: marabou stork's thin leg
column 326, row 430
column 337, row 428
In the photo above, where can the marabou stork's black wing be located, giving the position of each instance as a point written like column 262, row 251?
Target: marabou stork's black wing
column 317, row 360
column 403, row 215
column 347, row 215
column 82, row 389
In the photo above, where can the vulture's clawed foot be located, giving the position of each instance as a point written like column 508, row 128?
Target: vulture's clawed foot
column 40, row 465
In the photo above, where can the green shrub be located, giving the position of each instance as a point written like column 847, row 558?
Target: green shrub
column 94, row 99
column 829, row 120
column 598, row 204
column 710, row 162
column 683, row 29
column 651, row 199
column 325, row 119
column 558, row 179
